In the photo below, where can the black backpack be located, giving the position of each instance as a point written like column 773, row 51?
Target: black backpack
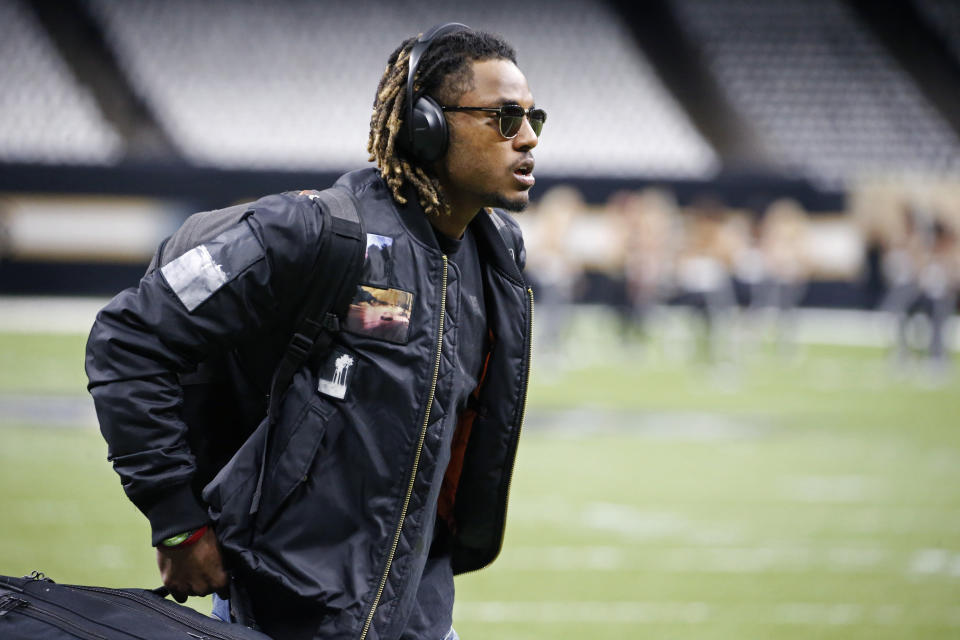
column 222, row 405
column 36, row 608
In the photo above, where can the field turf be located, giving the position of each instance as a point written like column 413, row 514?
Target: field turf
column 655, row 496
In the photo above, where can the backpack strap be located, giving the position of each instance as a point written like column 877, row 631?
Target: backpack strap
column 339, row 266
column 336, row 274
column 197, row 229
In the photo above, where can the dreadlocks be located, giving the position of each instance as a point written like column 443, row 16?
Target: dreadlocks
column 445, row 74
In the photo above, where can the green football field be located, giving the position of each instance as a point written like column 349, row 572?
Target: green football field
column 655, row 495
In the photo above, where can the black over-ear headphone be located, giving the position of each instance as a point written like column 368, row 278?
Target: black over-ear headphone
column 423, row 134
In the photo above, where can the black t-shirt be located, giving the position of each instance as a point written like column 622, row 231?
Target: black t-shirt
column 466, row 317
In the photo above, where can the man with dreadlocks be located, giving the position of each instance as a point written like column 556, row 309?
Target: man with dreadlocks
column 389, row 465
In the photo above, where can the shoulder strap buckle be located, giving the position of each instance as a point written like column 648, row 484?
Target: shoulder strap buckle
column 331, row 322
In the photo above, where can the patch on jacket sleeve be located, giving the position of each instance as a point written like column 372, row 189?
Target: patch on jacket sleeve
column 200, row 272
column 383, row 314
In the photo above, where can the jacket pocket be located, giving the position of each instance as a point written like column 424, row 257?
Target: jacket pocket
column 291, row 458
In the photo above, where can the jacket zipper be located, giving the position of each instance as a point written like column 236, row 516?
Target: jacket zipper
column 416, row 459
column 193, row 624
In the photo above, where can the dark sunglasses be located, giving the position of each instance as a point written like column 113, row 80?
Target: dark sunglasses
column 511, row 117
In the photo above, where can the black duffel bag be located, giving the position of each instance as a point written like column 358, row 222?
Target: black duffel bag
column 37, row 608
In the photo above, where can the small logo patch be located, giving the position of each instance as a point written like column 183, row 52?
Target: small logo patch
column 335, row 375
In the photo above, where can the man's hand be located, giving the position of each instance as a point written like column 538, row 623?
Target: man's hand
column 196, row 570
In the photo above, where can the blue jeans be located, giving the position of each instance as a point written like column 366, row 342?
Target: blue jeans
column 221, row 609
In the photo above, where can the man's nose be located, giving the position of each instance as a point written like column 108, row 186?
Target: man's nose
column 526, row 137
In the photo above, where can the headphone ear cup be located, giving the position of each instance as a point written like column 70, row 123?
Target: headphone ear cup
column 430, row 135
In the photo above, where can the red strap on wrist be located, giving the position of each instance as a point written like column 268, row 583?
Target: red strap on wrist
column 196, row 535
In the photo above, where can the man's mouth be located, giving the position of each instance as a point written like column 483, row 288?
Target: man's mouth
column 523, row 172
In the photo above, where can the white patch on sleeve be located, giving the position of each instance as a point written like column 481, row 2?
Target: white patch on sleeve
column 194, row 276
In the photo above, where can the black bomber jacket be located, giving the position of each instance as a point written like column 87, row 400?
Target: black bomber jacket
column 356, row 462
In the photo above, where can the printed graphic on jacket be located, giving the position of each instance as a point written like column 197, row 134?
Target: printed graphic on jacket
column 383, row 314
column 335, row 374
column 378, row 261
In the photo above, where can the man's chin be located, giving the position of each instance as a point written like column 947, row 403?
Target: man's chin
column 516, row 203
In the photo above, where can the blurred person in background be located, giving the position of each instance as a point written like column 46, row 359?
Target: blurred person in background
column 922, row 269
column 777, row 270
column 554, row 269
column 649, row 232
column 704, row 277
column 395, row 473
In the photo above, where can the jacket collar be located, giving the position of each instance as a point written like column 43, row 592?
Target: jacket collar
column 412, row 215
column 493, row 240
column 414, row 218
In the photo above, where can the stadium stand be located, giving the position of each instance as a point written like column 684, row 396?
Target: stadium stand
column 823, row 95
column 45, row 115
column 289, row 84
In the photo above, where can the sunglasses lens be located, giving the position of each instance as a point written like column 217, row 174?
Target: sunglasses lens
column 511, row 119
column 510, row 126
column 537, row 118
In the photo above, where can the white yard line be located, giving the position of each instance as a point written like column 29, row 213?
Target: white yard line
column 920, row 564
column 584, row 423
column 935, row 562
column 649, row 524
column 645, row 612
column 635, row 523
column 699, row 559
column 567, row 612
column 830, row 488
column 37, row 314
column 48, row 410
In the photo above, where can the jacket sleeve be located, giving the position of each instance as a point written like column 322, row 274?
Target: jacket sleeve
column 205, row 301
